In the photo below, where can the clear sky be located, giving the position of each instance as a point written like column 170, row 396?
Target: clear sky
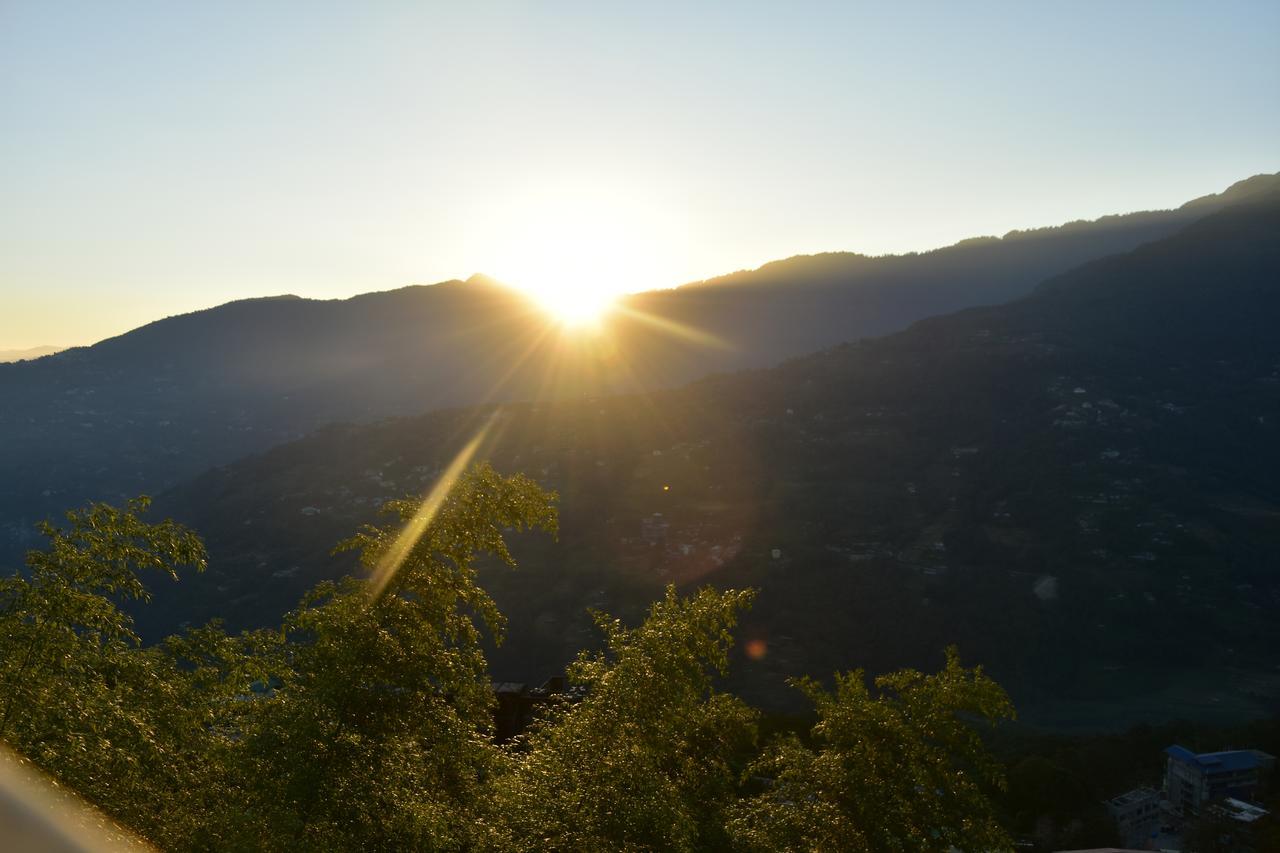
column 161, row 157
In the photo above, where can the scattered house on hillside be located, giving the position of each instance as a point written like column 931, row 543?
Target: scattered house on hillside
column 1045, row 588
column 653, row 529
column 512, row 710
column 1193, row 781
column 517, row 704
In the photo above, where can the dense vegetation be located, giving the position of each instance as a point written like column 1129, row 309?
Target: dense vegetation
column 364, row 721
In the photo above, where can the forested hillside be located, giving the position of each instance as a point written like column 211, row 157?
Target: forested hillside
column 1081, row 489
column 142, row 411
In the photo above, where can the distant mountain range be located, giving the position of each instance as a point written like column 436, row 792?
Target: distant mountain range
column 142, row 411
column 8, row 355
column 1081, row 488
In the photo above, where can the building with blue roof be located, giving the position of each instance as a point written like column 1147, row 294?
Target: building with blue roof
column 1192, row 781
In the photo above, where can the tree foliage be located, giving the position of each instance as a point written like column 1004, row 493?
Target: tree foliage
column 80, row 697
column 365, row 720
column 897, row 769
column 645, row 760
column 374, row 733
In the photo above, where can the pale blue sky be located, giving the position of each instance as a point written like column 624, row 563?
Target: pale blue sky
column 162, row 157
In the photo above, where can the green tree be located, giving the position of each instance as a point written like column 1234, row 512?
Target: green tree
column 646, row 759
column 364, row 722
column 899, row 769
column 374, row 733
column 79, row 696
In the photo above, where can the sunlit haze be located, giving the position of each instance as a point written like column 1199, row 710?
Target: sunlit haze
column 576, row 245
column 157, row 159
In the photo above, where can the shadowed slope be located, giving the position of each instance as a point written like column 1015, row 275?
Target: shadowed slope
column 1081, row 488
column 139, row 412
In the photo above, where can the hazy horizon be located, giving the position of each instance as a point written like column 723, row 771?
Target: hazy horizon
column 161, row 161
column 31, row 350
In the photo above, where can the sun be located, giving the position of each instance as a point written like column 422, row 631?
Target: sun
column 576, row 306
column 576, row 253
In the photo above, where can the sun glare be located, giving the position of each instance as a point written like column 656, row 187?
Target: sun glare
column 576, row 253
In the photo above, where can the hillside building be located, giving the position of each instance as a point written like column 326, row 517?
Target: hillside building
column 1137, row 815
column 653, row 529
column 1193, row 781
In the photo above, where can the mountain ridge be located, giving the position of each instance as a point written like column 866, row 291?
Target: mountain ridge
column 144, row 410
column 1259, row 183
column 1081, row 488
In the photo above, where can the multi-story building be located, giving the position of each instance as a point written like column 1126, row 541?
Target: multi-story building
column 1192, row 781
column 1137, row 815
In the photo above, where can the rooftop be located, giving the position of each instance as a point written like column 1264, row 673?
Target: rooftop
column 1242, row 811
column 1136, row 795
column 1228, row 761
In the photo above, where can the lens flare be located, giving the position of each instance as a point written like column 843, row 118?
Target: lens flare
column 673, row 328
column 395, row 556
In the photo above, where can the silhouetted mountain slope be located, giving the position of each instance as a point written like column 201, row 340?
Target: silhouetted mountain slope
column 141, row 411
column 802, row 303
column 1081, row 488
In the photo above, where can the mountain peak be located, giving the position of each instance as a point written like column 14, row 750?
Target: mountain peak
column 481, row 280
column 1240, row 191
